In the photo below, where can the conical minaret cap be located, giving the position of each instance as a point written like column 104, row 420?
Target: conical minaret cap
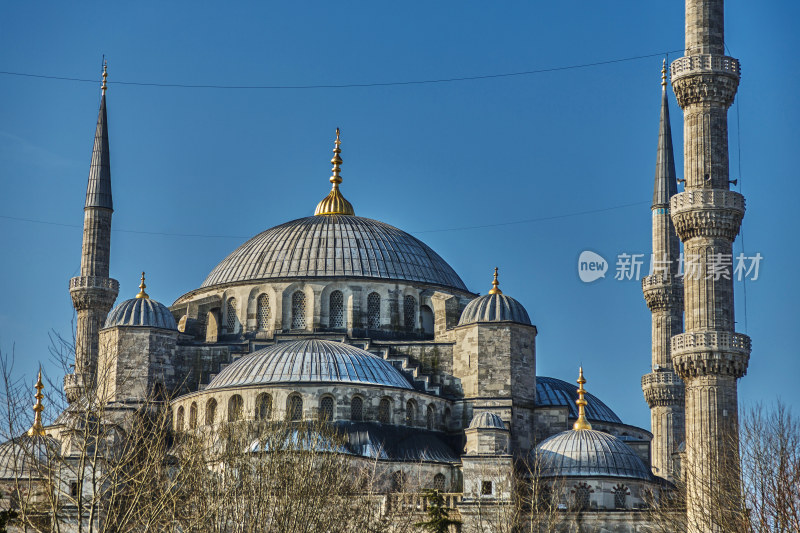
column 335, row 203
column 666, row 182
column 98, row 191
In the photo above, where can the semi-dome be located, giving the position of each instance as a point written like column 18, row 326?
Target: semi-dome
column 494, row 307
column 556, row 392
column 334, row 246
column 589, row 453
column 141, row 311
column 487, row 420
column 310, row 361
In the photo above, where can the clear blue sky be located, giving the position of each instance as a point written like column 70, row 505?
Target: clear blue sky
column 424, row 158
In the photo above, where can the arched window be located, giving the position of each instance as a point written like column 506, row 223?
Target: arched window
column 294, row 407
column 430, row 417
column 438, row 482
column 620, row 496
column 179, row 419
column 211, row 411
column 374, row 310
column 409, row 312
column 398, row 481
column 262, row 312
column 336, row 310
column 231, row 320
column 326, row 409
column 356, row 408
column 298, row 310
column 264, row 406
column 426, row 317
column 582, row 493
column 235, row 408
column 385, row 411
column 193, row 416
column 411, row 412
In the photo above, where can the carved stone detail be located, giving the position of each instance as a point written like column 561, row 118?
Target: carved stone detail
column 662, row 292
column 705, row 79
column 710, row 353
column 707, row 213
column 663, row 388
column 90, row 292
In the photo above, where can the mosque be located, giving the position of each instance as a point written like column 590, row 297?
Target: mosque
column 351, row 321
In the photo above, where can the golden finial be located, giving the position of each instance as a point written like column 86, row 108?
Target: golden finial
column 581, row 422
column 335, row 203
column 664, row 73
column 495, row 284
column 37, row 429
column 105, row 75
column 142, row 287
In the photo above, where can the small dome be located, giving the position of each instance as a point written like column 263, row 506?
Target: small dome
column 27, row 457
column 487, row 420
column 552, row 392
column 494, row 308
column 589, row 453
column 141, row 312
column 310, row 361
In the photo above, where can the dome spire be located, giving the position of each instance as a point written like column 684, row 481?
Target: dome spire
column 495, row 284
column 37, row 429
column 142, row 287
column 335, row 203
column 105, row 75
column 664, row 74
column 581, row 422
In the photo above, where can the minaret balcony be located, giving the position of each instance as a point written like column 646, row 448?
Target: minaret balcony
column 704, row 64
column 662, row 291
column 93, row 292
column 703, row 79
column 697, row 353
column 662, row 388
column 707, row 213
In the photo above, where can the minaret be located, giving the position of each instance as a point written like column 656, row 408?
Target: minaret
column 663, row 292
column 710, row 356
column 93, row 292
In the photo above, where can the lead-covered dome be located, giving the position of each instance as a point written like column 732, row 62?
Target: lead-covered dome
column 334, row 246
column 494, row 307
column 310, row 361
column 552, row 391
column 143, row 312
column 589, row 453
column 487, row 420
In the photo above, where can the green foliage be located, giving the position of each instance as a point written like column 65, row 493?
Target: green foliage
column 439, row 520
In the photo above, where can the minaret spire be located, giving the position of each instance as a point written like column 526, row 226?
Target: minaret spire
column 335, row 203
column 663, row 292
column 93, row 292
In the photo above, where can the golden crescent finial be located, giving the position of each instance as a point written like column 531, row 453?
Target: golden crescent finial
column 664, row 73
column 37, row 429
column 335, row 203
column 581, row 422
column 142, row 287
column 105, row 76
column 495, row 284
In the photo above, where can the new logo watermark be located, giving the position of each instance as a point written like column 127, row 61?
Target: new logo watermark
column 591, row 266
column 631, row 266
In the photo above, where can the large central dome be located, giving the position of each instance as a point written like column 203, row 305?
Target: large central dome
column 334, row 246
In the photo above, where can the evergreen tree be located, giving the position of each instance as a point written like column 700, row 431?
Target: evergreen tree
column 439, row 520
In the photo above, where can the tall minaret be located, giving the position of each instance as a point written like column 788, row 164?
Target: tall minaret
column 710, row 357
column 663, row 292
column 93, row 292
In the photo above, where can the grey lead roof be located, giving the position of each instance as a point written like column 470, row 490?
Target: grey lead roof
column 487, row 420
column 666, row 184
column 144, row 312
column 334, row 246
column 98, row 191
column 310, row 361
column 552, row 391
column 494, row 308
column 589, row 453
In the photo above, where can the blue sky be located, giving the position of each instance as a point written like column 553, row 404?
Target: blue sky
column 227, row 164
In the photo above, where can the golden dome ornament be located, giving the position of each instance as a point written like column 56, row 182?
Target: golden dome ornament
column 335, row 203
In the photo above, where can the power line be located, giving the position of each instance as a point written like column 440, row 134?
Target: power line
column 345, row 85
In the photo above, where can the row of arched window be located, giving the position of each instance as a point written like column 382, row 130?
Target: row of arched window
column 336, row 312
column 582, row 496
column 294, row 411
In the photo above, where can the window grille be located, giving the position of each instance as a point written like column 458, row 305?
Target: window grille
column 235, row 407
column 620, row 497
column 298, row 310
column 211, row 411
column 262, row 312
column 374, row 310
column 384, row 411
column 179, row 420
column 438, row 482
column 411, row 412
column 431, row 417
column 326, row 409
column 193, row 416
column 409, row 311
column 264, row 407
column 295, row 407
column 356, row 409
column 336, row 309
column 230, row 316
column 582, row 495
